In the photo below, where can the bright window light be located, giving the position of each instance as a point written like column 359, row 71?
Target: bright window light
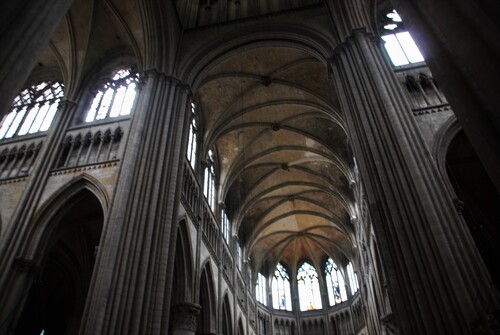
column 402, row 49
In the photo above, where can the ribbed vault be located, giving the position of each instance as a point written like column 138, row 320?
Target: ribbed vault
column 284, row 164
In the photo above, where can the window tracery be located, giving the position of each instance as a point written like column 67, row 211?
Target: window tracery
column 115, row 98
column 281, row 289
column 308, row 286
column 32, row 110
column 335, row 284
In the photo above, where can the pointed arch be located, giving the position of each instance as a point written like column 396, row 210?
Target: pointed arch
column 207, row 301
column 226, row 316
column 47, row 217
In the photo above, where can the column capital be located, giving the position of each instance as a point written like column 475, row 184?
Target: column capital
column 185, row 316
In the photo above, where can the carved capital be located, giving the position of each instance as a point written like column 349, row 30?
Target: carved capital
column 185, row 316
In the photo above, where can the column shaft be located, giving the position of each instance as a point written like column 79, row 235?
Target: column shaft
column 436, row 278
column 25, row 29
column 128, row 293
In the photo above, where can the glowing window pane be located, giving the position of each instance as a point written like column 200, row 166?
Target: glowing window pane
column 6, row 122
column 409, row 47
column 39, row 118
column 115, row 98
column 49, row 117
column 15, row 123
column 105, row 104
column 308, row 286
column 394, row 50
column 281, row 289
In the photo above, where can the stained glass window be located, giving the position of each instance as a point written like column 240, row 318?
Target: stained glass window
column 281, row 289
column 335, row 284
column 308, row 285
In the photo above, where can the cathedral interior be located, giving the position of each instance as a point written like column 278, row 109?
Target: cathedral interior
column 250, row 167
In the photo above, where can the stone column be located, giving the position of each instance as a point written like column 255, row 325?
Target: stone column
column 26, row 27
column 18, row 239
column 460, row 42
column 185, row 319
column 437, row 281
column 129, row 290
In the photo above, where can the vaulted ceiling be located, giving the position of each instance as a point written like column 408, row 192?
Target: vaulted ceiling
column 271, row 115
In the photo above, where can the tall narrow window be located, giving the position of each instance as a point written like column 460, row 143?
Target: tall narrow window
column 239, row 256
column 260, row 289
column 334, row 283
column 226, row 226
column 353, row 278
column 193, row 138
column 32, row 110
column 308, row 285
column 400, row 45
column 115, row 98
column 209, row 184
column 281, row 289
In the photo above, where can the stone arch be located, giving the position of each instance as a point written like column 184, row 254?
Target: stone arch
column 241, row 329
column 61, row 251
column 316, row 43
column 183, row 267
column 207, row 301
column 226, row 316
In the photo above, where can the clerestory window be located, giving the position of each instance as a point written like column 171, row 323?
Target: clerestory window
column 32, row 110
column 282, row 298
column 308, row 286
column 191, row 153
column 353, row 278
column 226, row 226
column 335, row 283
column 209, row 181
column 399, row 44
column 116, row 97
column 260, row 289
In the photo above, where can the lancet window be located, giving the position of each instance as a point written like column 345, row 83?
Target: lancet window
column 116, row 97
column 335, row 283
column 32, row 110
column 209, row 181
column 226, row 226
column 308, row 286
column 282, row 298
column 353, row 278
column 260, row 289
column 192, row 148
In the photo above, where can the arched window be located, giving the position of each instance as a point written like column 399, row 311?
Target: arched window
column 115, row 98
column 239, row 256
column 193, row 138
column 260, row 289
column 334, row 283
column 353, row 278
column 226, row 226
column 399, row 44
column 209, row 181
column 32, row 110
column 281, row 289
column 308, row 285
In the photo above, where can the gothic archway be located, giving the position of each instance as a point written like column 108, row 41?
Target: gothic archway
column 207, row 301
column 227, row 325
column 72, row 231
